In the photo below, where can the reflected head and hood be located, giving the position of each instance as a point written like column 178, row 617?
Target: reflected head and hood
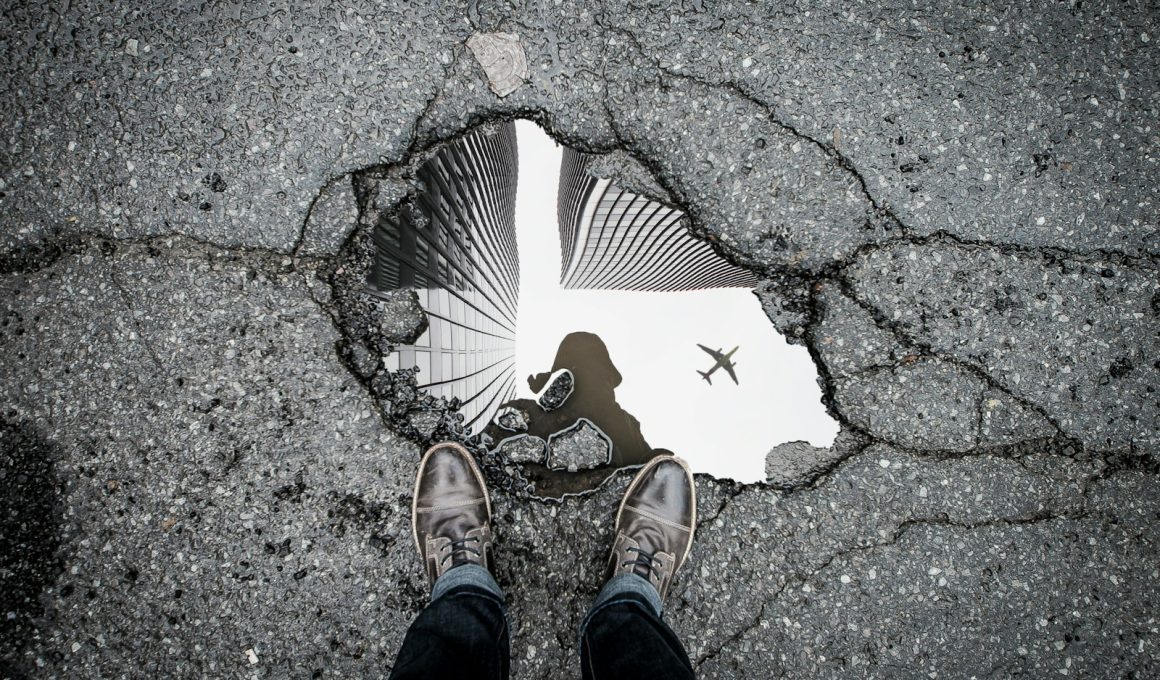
column 594, row 398
column 584, row 354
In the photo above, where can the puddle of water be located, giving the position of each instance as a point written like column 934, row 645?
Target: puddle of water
column 629, row 362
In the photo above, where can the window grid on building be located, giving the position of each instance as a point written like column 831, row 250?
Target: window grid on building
column 460, row 257
column 612, row 239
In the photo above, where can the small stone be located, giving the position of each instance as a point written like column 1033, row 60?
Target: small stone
column 131, row 47
column 502, row 57
column 512, row 419
column 252, row 656
column 559, row 388
column 214, row 182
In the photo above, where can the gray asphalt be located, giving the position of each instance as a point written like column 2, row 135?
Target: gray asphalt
column 953, row 208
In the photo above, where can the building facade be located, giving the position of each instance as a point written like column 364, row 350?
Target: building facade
column 613, row 239
column 455, row 244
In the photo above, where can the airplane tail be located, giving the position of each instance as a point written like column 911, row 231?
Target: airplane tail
column 706, row 377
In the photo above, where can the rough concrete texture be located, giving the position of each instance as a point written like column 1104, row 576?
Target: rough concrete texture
column 28, row 543
column 627, row 173
column 581, row 447
column 330, row 218
column 953, row 207
column 524, row 448
column 794, row 464
column 1081, row 349
column 213, row 468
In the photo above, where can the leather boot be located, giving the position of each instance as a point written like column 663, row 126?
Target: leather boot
column 451, row 512
column 654, row 526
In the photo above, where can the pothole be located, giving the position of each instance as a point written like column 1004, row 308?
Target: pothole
column 574, row 325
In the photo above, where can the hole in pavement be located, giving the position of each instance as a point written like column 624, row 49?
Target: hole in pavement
column 574, row 324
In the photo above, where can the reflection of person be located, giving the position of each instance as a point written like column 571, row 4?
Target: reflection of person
column 594, row 398
column 464, row 631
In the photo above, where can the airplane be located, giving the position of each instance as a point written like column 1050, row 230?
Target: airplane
column 722, row 362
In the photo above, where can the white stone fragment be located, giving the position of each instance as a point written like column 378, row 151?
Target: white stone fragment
column 502, row 57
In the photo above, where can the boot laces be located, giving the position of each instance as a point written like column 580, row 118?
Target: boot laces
column 458, row 551
column 644, row 559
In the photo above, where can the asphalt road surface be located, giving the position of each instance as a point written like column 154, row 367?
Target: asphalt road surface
column 954, row 208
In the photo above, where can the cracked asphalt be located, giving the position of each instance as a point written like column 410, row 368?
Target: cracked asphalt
column 207, row 472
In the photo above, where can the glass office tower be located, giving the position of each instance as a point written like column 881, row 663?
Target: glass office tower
column 456, row 246
column 613, row 239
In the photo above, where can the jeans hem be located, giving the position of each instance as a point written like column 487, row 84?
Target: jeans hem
column 467, row 575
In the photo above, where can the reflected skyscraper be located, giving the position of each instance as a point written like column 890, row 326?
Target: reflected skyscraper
column 612, row 239
column 454, row 242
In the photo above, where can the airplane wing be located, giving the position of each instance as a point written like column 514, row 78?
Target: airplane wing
column 712, row 352
column 729, row 370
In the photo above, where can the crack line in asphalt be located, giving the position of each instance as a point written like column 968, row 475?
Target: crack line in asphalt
column 899, row 532
column 326, row 186
column 125, row 299
column 417, row 144
column 927, row 350
column 1126, row 259
column 845, row 163
column 884, row 210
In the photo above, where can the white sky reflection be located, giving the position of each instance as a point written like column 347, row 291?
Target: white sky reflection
column 723, row 429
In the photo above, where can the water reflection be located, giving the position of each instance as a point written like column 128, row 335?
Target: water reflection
column 587, row 236
column 593, row 398
column 454, row 242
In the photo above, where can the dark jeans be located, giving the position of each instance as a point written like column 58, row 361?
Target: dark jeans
column 463, row 633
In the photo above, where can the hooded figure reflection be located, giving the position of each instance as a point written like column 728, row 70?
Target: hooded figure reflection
column 594, row 398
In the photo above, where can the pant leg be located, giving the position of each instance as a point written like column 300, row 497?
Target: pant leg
column 463, row 632
column 623, row 636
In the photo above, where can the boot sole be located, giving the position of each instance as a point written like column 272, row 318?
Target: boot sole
column 692, row 485
column 419, row 476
